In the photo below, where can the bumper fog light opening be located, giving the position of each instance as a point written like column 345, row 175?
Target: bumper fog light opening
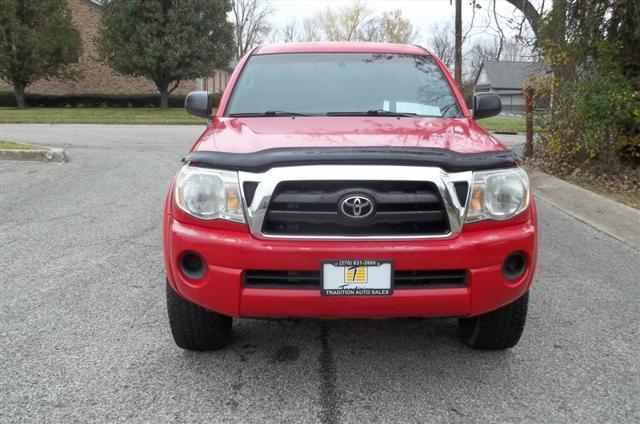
column 192, row 266
column 514, row 266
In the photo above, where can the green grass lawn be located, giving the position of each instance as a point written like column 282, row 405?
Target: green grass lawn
column 97, row 116
column 12, row 145
column 503, row 124
column 107, row 115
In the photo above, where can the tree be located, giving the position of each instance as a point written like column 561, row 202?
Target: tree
column 393, row 27
column 310, row 30
column 530, row 13
column 346, row 24
column 512, row 50
column 290, row 31
column 594, row 83
column 522, row 37
column 481, row 52
column 37, row 40
column 165, row 41
column 355, row 22
column 251, row 23
column 623, row 29
column 441, row 42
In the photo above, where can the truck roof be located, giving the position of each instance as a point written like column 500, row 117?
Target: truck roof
column 341, row 47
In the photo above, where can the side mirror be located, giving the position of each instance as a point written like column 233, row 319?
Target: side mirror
column 199, row 103
column 486, row 105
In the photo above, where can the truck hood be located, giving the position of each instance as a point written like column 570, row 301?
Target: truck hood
column 247, row 135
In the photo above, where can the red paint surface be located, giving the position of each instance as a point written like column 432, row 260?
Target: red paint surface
column 480, row 249
column 245, row 135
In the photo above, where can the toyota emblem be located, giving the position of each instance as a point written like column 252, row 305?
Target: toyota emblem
column 357, row 206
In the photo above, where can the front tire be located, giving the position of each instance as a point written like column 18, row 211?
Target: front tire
column 196, row 328
column 496, row 330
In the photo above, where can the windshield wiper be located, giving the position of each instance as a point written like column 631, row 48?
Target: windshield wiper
column 373, row 112
column 267, row 113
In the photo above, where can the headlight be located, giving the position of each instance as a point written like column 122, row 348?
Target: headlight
column 209, row 194
column 499, row 194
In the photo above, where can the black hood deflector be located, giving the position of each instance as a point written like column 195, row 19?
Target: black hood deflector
column 264, row 160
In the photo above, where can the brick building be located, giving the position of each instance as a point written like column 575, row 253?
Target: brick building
column 96, row 77
column 218, row 79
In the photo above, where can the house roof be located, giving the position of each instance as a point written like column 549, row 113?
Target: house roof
column 339, row 47
column 509, row 75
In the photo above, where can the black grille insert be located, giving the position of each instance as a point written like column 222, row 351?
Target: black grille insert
column 425, row 279
column 249, row 188
column 462, row 190
column 420, row 279
column 403, row 208
column 282, row 279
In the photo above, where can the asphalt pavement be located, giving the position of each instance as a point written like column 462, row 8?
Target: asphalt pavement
column 85, row 337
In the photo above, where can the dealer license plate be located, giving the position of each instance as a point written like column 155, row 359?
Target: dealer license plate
column 357, row 278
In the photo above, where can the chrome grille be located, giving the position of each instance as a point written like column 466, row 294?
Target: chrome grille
column 299, row 202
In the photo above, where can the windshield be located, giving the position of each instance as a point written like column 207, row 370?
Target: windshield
column 342, row 84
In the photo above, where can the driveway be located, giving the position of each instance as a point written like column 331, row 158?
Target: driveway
column 85, row 336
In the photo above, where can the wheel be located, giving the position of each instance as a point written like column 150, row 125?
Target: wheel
column 195, row 328
column 499, row 329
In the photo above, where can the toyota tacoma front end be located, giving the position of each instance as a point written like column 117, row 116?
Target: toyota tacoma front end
column 347, row 181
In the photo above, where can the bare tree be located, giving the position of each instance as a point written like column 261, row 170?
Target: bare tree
column 393, row 27
column 251, row 21
column 513, row 47
column 441, row 42
column 530, row 13
column 501, row 46
column 524, row 21
column 370, row 31
column 481, row 52
column 441, row 38
column 345, row 24
column 513, row 50
column 356, row 23
column 477, row 24
column 501, row 36
column 310, row 30
column 290, row 31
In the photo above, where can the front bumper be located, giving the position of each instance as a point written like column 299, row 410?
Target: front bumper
column 481, row 250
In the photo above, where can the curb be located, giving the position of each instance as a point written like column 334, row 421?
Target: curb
column 613, row 218
column 42, row 155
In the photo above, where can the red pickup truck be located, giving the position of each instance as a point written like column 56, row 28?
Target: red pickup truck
column 347, row 180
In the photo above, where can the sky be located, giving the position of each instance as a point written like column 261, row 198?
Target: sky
column 422, row 13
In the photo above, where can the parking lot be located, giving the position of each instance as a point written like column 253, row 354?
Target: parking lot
column 85, row 336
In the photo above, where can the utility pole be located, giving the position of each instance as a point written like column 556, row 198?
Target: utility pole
column 458, row 41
